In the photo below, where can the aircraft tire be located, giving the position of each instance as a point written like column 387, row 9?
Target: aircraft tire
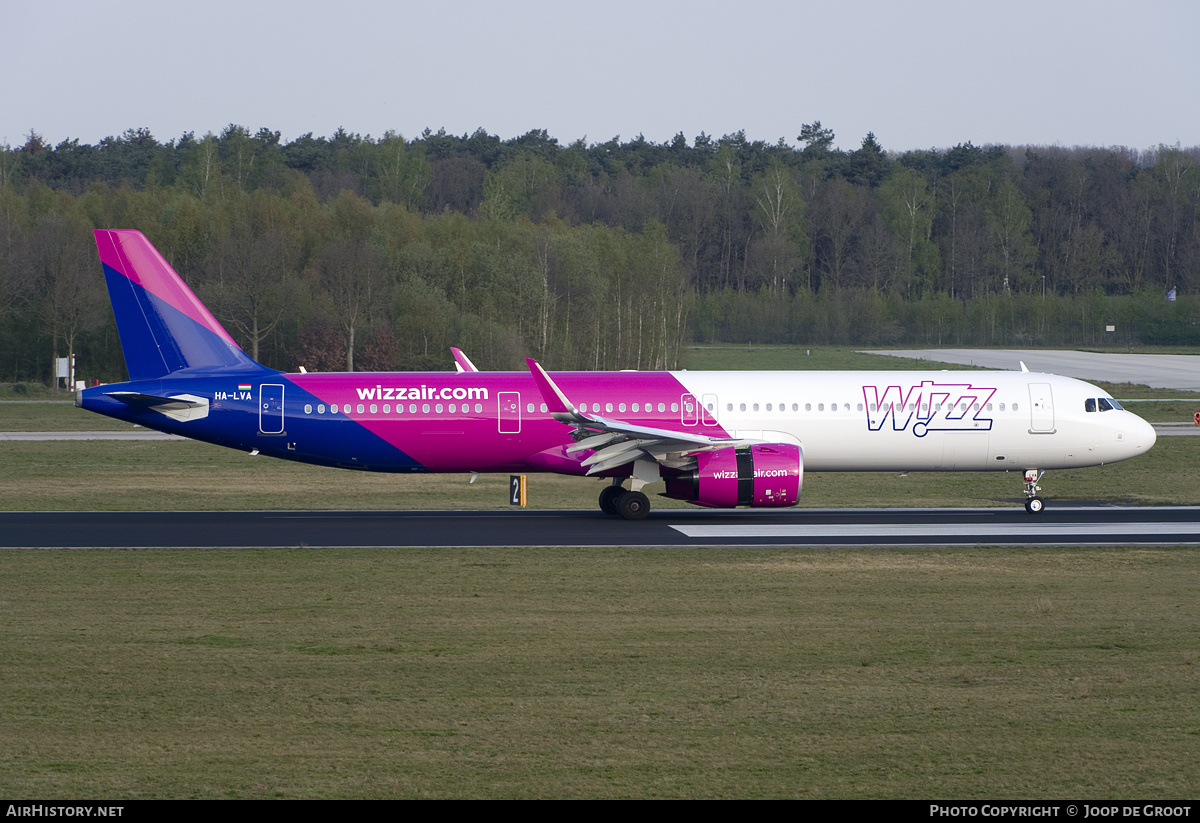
column 1035, row 505
column 634, row 506
column 609, row 499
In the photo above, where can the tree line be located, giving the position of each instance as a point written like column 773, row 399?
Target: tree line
column 351, row 252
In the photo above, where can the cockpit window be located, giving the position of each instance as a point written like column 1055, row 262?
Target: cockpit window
column 1089, row 405
column 1108, row 404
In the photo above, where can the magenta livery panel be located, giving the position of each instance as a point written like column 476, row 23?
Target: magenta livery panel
column 717, row 439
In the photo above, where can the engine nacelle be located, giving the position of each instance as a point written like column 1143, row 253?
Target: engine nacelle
column 766, row 475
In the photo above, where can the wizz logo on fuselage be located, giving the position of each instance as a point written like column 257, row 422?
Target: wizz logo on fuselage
column 929, row 407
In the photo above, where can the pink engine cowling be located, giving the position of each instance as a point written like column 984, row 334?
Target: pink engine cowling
column 766, row 475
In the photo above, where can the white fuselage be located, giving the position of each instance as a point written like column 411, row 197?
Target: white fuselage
column 924, row 421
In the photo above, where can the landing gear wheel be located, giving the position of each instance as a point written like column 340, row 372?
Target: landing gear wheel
column 609, row 498
column 634, row 506
column 1033, row 503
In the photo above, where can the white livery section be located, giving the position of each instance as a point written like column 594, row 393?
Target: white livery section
column 925, row 421
column 746, row 439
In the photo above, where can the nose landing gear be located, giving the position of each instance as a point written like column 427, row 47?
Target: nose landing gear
column 1033, row 503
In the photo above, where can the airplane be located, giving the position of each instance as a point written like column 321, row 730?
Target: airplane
column 715, row 439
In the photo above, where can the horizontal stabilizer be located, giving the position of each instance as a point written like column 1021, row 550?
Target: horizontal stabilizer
column 180, row 407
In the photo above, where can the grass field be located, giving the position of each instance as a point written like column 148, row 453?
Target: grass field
column 184, row 475
column 303, row 673
column 981, row 673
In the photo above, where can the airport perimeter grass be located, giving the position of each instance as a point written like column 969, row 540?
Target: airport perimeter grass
column 185, row 475
column 973, row 673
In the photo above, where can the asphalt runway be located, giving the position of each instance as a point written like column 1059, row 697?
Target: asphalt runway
column 132, row 434
column 1161, row 371
column 1074, row 525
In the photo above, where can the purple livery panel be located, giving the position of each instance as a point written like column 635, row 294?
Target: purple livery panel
column 719, row 470
column 480, row 421
column 763, row 475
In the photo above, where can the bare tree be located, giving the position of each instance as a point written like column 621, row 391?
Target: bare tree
column 352, row 273
column 70, row 296
column 251, row 281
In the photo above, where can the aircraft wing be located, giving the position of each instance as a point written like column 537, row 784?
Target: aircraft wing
column 616, row 442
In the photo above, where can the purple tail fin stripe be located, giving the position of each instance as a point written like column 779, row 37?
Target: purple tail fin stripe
column 131, row 254
column 163, row 326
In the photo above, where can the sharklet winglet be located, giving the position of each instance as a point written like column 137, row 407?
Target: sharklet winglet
column 462, row 363
column 556, row 401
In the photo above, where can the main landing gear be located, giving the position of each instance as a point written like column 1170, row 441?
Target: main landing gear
column 631, row 505
column 1033, row 503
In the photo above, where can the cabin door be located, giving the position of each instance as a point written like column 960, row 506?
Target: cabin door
column 1041, row 408
column 510, row 412
column 689, row 410
column 270, row 408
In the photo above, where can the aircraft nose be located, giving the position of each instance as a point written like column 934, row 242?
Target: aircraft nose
column 1141, row 435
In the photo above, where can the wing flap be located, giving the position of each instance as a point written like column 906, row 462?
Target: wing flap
column 594, row 442
column 609, row 453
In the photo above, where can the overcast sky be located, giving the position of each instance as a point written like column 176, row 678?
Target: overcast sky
column 919, row 74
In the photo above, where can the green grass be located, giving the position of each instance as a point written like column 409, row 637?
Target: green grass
column 1156, row 410
column 1141, row 349
column 32, row 391
column 974, row 673
column 185, row 475
column 54, row 416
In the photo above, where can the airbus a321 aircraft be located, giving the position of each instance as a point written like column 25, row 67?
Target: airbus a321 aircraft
column 716, row 439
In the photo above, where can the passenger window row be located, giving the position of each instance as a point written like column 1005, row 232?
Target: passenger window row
column 437, row 408
column 1102, row 404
